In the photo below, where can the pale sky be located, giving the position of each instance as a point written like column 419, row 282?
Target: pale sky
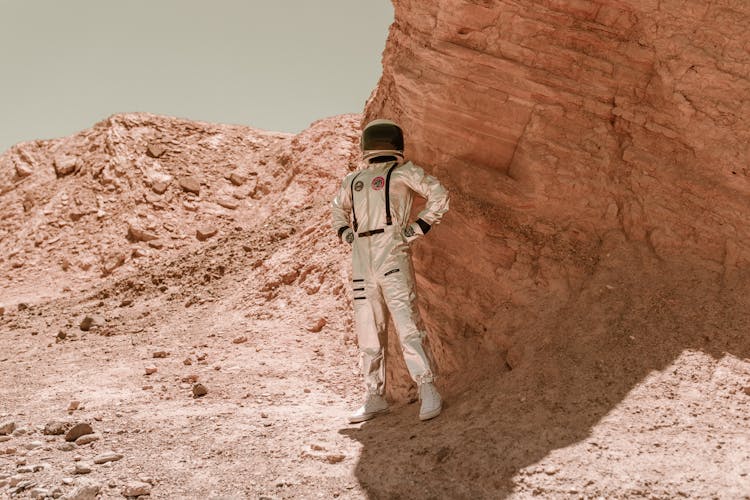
column 271, row 64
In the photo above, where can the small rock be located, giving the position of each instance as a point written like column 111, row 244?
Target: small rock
column 160, row 187
column 67, row 480
column 139, row 252
column 136, row 233
column 77, row 431
column 2, row 310
column 157, row 244
column 190, row 184
column 15, row 480
column 56, row 492
column 335, row 458
column 187, row 362
column 746, row 390
column 5, row 438
column 22, row 169
column 109, row 456
column 199, row 390
column 65, row 165
column 190, row 379
column 82, row 468
column 20, row 431
column 263, row 414
column 7, row 427
column 56, row 427
column 86, row 323
column 160, row 354
column 61, row 335
column 86, row 439
column 151, row 198
column 39, row 493
column 111, row 262
column 33, row 445
column 73, row 406
column 239, row 340
column 202, row 356
column 317, row 326
column 66, row 447
column 205, row 232
column 146, row 479
column 288, row 278
column 151, row 370
column 226, row 203
column 136, row 488
column 237, row 179
column 24, row 469
column 22, row 306
column 155, row 150
column 86, row 490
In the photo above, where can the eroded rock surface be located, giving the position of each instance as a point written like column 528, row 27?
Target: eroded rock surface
column 565, row 129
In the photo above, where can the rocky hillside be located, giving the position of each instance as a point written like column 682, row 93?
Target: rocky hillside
column 138, row 187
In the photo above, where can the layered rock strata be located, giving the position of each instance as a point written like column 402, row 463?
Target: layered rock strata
column 565, row 128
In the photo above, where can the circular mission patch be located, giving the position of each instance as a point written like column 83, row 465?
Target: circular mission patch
column 378, row 183
column 358, row 186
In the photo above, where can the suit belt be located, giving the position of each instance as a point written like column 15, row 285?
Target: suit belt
column 370, row 233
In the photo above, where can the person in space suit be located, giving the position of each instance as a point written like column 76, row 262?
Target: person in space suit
column 371, row 213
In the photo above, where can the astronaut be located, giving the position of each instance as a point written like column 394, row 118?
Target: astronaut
column 371, row 212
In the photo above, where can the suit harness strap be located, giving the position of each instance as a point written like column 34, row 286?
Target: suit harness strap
column 388, row 218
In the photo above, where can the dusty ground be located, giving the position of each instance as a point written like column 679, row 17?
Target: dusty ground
column 638, row 386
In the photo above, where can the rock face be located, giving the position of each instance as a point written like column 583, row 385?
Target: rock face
column 568, row 131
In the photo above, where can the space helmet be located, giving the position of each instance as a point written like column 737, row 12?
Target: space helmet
column 382, row 140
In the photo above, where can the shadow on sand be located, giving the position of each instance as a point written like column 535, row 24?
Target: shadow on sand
column 585, row 360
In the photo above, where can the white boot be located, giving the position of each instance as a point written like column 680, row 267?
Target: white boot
column 431, row 402
column 374, row 405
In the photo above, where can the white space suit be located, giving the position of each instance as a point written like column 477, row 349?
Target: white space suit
column 371, row 211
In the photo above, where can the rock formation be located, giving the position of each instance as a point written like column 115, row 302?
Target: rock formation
column 137, row 188
column 566, row 129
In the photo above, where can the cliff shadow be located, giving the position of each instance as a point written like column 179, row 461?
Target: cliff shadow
column 632, row 316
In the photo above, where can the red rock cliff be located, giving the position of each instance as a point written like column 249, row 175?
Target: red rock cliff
column 566, row 129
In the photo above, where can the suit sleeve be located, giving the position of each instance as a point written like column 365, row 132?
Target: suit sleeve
column 429, row 188
column 341, row 207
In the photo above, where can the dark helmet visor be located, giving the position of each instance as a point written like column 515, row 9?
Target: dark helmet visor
column 382, row 136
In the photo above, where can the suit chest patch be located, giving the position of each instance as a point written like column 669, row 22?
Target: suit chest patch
column 378, row 183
